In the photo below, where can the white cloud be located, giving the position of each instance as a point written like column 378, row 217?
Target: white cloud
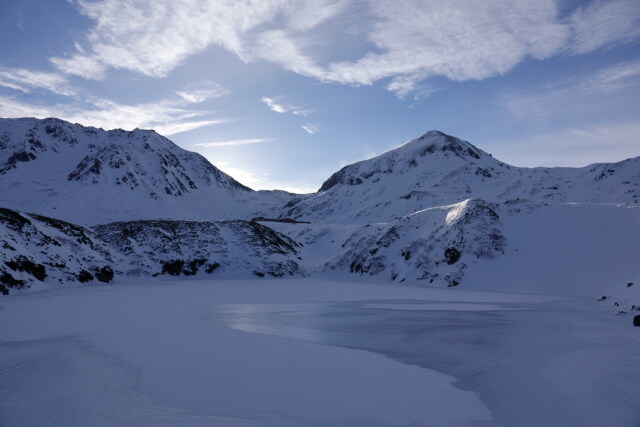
column 81, row 65
column 406, row 41
column 581, row 94
column 232, row 143
column 28, row 80
column 153, row 37
column 403, row 86
column 303, row 16
column 613, row 78
column 202, row 92
column 274, row 106
column 301, row 112
column 9, row 107
column 165, row 116
column 311, row 128
column 602, row 23
column 171, row 127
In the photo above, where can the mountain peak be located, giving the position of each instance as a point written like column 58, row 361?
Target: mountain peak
column 432, row 133
column 142, row 169
column 435, row 141
column 430, row 147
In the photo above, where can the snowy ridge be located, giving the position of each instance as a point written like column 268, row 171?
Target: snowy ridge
column 42, row 252
column 186, row 247
column 437, row 169
column 440, row 212
column 433, row 245
column 37, row 249
column 78, row 173
column 436, row 211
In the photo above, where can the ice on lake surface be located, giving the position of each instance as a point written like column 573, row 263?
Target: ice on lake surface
column 528, row 363
column 312, row 353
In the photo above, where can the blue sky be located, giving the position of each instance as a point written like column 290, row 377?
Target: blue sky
column 281, row 93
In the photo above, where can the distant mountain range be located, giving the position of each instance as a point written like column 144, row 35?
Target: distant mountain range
column 436, row 211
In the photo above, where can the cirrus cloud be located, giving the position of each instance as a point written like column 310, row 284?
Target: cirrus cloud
column 407, row 42
column 26, row 81
column 166, row 116
column 276, row 105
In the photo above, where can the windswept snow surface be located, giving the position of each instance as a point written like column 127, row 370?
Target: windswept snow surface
column 312, row 353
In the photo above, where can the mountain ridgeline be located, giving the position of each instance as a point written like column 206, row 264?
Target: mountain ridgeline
column 82, row 204
column 88, row 175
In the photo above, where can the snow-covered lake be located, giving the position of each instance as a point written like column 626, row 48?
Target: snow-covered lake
column 308, row 352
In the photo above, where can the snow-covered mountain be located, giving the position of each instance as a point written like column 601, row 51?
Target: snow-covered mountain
column 91, row 176
column 439, row 211
column 436, row 211
column 48, row 252
column 438, row 169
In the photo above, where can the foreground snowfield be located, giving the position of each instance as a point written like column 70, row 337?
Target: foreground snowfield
column 306, row 352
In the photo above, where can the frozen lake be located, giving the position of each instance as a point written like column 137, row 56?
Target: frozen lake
column 303, row 352
column 532, row 364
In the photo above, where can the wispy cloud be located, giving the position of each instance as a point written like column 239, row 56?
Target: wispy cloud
column 274, row 106
column 311, row 128
column 577, row 94
column 403, row 86
column 604, row 23
column 81, row 65
column 277, row 105
column 165, row 116
column 406, row 41
column 613, row 78
column 154, row 37
column 171, row 127
column 232, row 143
column 301, row 112
column 27, row 80
column 202, row 92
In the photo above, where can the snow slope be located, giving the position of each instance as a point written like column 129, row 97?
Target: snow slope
column 438, row 169
column 234, row 247
column 441, row 212
column 436, row 211
column 91, row 176
column 45, row 252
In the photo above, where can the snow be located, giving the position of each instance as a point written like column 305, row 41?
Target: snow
column 537, row 262
column 436, row 211
column 90, row 176
column 570, row 249
column 317, row 353
column 439, row 170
